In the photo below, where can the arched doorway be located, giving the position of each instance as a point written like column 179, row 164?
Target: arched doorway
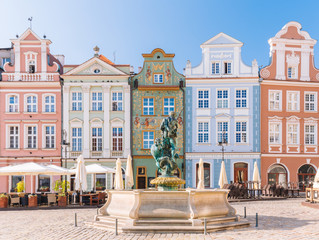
column 240, row 172
column 277, row 174
column 206, row 175
column 306, row 174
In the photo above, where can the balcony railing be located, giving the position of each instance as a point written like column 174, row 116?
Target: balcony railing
column 31, row 77
column 117, row 153
column 96, row 154
column 75, row 154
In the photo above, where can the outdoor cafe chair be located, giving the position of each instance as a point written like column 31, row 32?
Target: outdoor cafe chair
column 51, row 198
column 15, row 200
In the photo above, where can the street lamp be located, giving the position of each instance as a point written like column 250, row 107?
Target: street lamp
column 65, row 144
column 222, row 142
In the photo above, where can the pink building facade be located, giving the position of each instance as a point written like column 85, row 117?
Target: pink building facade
column 30, row 110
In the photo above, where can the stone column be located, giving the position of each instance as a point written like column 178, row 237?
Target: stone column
column 86, row 121
column 305, row 53
column 66, row 107
column 127, row 121
column 106, row 118
column 280, row 65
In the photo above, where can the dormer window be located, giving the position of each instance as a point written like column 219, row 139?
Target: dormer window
column 158, row 78
column 227, row 68
column 215, row 68
column 292, row 73
column 30, row 62
column 31, row 66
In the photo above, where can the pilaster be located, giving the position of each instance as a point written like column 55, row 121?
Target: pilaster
column 65, row 107
column 86, row 119
column 127, row 117
column 106, row 116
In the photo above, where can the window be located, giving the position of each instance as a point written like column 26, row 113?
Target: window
column 203, row 132
column 158, row 78
column 310, row 134
column 206, row 174
column 292, row 133
column 14, row 137
column 293, row 101
column 49, row 137
column 96, row 139
column 241, row 98
column 222, row 132
column 274, row 100
column 5, row 60
column 148, row 139
column 96, row 101
column 76, row 139
column 31, row 104
column 76, row 101
column 222, row 99
column 203, row 99
column 241, row 132
column 292, row 73
column 117, row 139
column 215, row 68
column 31, row 66
column 49, row 104
column 14, row 181
column 274, row 133
column 227, row 67
column 100, row 181
column 44, row 183
column 117, row 101
column 169, row 105
column 310, row 102
column 148, row 106
column 32, row 136
column 13, row 103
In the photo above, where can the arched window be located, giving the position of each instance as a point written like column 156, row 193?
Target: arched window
column 206, row 174
column 240, row 172
column 277, row 174
column 306, row 174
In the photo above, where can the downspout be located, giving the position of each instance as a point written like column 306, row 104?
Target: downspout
column 184, row 128
column 61, row 84
column 131, row 124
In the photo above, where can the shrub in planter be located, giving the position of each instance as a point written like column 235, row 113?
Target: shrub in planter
column 3, row 201
column 61, row 200
column 61, row 186
column 33, row 200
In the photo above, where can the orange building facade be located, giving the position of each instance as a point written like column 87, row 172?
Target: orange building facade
column 289, row 109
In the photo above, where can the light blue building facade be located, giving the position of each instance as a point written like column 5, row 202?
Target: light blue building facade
column 222, row 105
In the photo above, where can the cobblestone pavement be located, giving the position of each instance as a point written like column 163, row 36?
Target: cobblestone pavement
column 284, row 219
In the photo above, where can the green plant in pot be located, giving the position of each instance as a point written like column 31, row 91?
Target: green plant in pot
column 61, row 187
column 32, row 200
column 3, row 201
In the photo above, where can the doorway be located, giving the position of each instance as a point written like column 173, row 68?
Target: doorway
column 240, row 172
column 306, row 174
column 141, row 178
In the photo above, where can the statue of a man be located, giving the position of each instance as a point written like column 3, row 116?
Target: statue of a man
column 169, row 127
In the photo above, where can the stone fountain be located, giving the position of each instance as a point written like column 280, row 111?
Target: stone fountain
column 167, row 209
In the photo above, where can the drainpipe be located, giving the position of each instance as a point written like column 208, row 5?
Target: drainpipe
column 61, row 84
column 184, row 127
column 131, row 124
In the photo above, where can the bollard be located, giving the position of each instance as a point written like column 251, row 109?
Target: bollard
column 97, row 211
column 205, row 226
column 75, row 220
column 116, row 227
column 244, row 212
column 256, row 219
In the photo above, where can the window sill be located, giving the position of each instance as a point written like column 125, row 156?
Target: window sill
column 120, row 111
column 293, row 110
column 76, row 111
column 222, row 108
column 241, row 144
column 30, row 112
column 48, row 112
column 308, row 111
column 275, row 110
column 145, row 149
column 31, row 149
column 148, row 115
column 12, row 112
column 203, row 108
column 49, row 149
column 241, row 108
column 96, row 111
column 13, row 149
column 203, row 144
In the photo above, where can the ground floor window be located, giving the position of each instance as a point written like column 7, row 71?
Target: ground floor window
column 206, row 174
column 306, row 174
column 14, row 183
column 240, row 172
column 100, row 182
column 44, row 183
column 278, row 175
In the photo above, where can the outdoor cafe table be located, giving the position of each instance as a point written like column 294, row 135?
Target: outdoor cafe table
column 91, row 195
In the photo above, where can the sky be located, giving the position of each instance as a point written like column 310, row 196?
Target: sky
column 124, row 29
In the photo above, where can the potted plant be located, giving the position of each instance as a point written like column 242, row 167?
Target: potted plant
column 44, row 189
column 20, row 187
column 32, row 200
column 99, row 186
column 3, row 201
column 60, row 187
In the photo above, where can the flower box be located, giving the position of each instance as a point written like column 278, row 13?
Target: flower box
column 33, row 201
column 62, row 201
column 3, row 202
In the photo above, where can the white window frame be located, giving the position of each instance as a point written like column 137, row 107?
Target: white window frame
column 78, row 103
column 30, row 56
column 44, row 104
column 294, row 69
column 32, row 104
column 37, row 183
column 148, row 107
column 157, row 78
column 314, row 133
column 222, row 99
column 169, row 106
column 203, row 132
column 99, row 139
column 204, row 99
column 97, row 101
column 8, row 136
column 150, row 142
column 279, row 132
column 297, row 102
column 275, row 100
column 117, row 137
column 219, row 68
column 117, row 101
column 77, row 138
column 222, row 131
column 241, row 98
column 44, row 136
column 241, row 132
column 15, row 105
column 231, row 67
column 309, row 102
column 26, row 135
column 296, row 132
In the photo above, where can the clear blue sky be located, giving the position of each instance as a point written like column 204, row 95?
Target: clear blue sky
column 130, row 28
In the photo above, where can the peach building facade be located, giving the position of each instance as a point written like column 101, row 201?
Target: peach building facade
column 289, row 109
column 30, row 107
